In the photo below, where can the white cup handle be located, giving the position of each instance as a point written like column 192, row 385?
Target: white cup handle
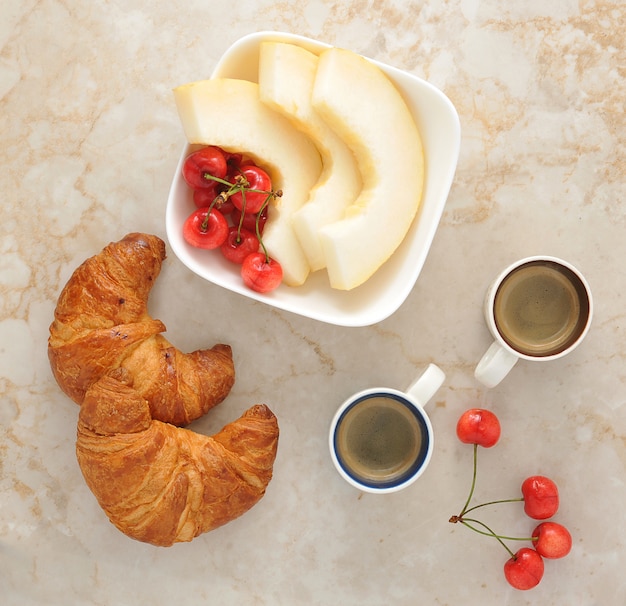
column 425, row 386
column 495, row 365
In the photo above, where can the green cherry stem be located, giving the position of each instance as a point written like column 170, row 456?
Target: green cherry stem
column 211, row 177
column 270, row 195
column 241, row 183
column 471, row 492
column 205, row 224
column 516, row 500
column 491, row 533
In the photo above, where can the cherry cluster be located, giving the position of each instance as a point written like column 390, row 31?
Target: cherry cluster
column 232, row 195
column 524, row 569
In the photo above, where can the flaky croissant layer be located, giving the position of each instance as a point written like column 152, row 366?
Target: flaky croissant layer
column 101, row 323
column 162, row 484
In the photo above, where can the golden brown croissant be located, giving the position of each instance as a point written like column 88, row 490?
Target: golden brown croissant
column 163, row 484
column 101, row 323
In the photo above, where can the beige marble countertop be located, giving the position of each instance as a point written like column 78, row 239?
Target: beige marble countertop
column 90, row 140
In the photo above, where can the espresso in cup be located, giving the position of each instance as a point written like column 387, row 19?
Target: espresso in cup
column 541, row 308
column 380, row 440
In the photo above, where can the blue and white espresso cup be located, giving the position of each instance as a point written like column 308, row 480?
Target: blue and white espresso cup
column 381, row 439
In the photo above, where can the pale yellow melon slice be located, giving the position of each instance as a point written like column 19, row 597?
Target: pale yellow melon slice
column 364, row 108
column 286, row 77
column 228, row 113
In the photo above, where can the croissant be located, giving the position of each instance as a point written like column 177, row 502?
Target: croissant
column 162, row 484
column 101, row 323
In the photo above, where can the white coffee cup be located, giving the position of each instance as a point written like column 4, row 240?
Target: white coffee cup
column 381, row 439
column 539, row 309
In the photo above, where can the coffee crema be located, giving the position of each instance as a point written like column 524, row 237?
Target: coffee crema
column 379, row 439
column 541, row 308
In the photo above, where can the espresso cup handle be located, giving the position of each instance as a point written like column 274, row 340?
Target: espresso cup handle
column 495, row 365
column 425, row 386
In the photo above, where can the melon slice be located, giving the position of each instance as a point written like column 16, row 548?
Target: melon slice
column 367, row 111
column 228, row 113
column 286, row 77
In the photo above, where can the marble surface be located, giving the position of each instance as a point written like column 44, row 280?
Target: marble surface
column 90, row 139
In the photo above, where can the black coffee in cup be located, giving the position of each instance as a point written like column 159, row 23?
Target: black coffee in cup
column 380, row 440
column 541, row 308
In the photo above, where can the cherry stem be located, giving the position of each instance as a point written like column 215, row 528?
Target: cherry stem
column 242, row 185
column 205, row 223
column 270, row 195
column 466, row 521
column 516, row 500
column 210, row 177
column 471, row 493
column 491, row 533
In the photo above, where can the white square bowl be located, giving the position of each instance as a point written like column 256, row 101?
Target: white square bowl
column 387, row 289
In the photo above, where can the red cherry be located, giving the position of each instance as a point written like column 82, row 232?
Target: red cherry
column 204, row 197
column 525, row 569
column 199, row 164
column 261, row 273
column 552, row 540
column 239, row 244
column 226, row 208
column 478, row 426
column 205, row 228
column 541, row 497
column 253, row 201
